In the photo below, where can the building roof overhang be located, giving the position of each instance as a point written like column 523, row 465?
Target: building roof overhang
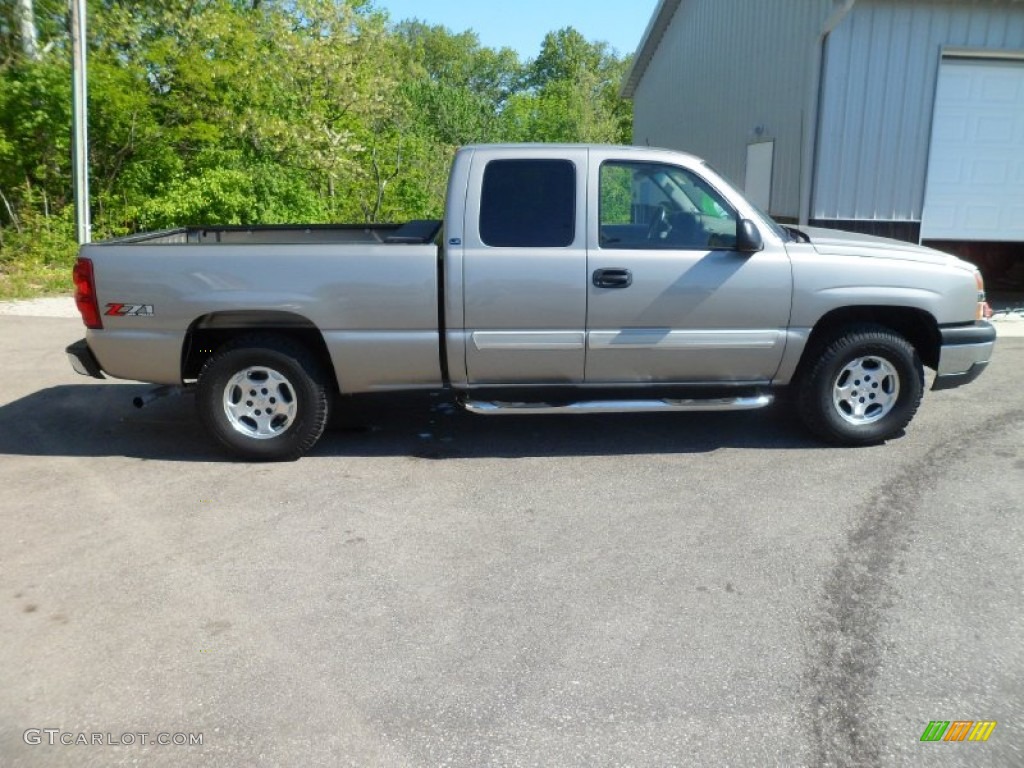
column 656, row 27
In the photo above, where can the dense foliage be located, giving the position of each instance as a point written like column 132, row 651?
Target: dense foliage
column 263, row 111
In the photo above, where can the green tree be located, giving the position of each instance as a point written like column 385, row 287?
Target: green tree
column 264, row 111
column 572, row 94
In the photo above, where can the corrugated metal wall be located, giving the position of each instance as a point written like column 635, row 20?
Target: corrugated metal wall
column 729, row 73
column 878, row 90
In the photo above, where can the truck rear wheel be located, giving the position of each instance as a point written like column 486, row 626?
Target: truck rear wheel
column 264, row 397
column 864, row 388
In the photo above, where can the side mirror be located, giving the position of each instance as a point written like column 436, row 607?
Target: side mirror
column 748, row 239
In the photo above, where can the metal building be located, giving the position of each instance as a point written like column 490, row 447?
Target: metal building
column 897, row 117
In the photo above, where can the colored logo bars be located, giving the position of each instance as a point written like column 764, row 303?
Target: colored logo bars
column 958, row 730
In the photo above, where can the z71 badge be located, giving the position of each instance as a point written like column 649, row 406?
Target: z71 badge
column 129, row 310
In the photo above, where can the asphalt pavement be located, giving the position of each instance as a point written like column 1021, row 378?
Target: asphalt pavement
column 432, row 588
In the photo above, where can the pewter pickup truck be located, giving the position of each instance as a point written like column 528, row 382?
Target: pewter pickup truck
column 564, row 279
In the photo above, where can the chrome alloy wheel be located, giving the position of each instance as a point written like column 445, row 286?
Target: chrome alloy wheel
column 260, row 402
column 865, row 390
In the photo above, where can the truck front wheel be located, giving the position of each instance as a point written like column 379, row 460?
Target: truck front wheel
column 264, row 397
column 864, row 388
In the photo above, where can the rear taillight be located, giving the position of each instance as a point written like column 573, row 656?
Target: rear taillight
column 85, row 294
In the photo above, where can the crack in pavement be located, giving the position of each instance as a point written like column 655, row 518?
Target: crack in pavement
column 845, row 655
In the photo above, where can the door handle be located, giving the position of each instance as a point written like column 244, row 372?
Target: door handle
column 614, row 277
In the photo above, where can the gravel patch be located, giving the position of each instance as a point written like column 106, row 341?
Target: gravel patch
column 56, row 306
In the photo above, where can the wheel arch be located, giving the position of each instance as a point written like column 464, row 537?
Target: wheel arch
column 917, row 326
column 209, row 332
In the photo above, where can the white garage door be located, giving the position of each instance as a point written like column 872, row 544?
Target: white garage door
column 975, row 186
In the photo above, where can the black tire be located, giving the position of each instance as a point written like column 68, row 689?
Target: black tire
column 264, row 397
column 864, row 388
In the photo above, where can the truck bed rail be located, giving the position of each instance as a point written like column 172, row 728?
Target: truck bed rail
column 417, row 232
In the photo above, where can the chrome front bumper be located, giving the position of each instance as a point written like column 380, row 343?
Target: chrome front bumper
column 965, row 353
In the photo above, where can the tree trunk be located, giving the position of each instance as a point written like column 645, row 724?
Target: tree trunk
column 27, row 23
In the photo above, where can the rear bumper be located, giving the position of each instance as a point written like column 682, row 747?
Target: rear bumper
column 83, row 360
column 965, row 353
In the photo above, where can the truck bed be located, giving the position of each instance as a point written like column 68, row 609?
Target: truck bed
column 371, row 293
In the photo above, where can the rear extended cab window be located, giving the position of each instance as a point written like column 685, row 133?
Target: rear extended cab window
column 528, row 204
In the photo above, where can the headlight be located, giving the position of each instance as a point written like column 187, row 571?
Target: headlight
column 983, row 311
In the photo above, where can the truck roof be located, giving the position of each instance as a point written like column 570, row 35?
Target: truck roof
column 555, row 147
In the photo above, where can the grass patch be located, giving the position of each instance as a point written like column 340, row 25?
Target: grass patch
column 30, row 281
column 36, row 260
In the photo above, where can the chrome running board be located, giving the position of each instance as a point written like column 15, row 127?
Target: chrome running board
column 498, row 408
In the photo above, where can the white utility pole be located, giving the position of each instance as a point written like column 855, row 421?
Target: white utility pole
column 79, row 118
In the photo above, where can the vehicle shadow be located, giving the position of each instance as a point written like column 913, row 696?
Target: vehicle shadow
column 100, row 420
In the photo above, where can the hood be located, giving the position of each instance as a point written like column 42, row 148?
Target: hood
column 835, row 242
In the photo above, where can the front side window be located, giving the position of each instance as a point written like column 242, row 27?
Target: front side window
column 649, row 205
column 528, row 204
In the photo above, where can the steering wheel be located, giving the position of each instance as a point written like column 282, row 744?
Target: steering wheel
column 659, row 224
